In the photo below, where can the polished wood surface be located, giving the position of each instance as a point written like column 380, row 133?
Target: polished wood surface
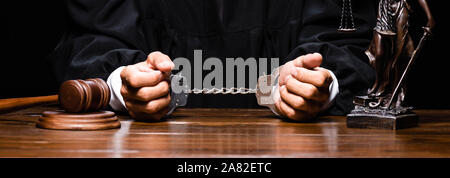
column 224, row 133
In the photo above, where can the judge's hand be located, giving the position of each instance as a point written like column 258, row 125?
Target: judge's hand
column 303, row 88
column 145, row 87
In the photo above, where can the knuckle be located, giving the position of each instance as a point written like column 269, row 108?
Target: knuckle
column 123, row 91
column 284, row 95
column 157, row 55
column 129, row 105
column 299, row 60
column 132, row 81
column 284, row 109
column 153, row 54
column 287, row 65
column 327, row 77
column 283, row 91
column 290, row 83
column 321, row 82
column 309, row 92
column 299, row 104
column 123, row 73
column 291, row 114
column 165, row 87
column 277, row 105
column 151, row 107
column 164, row 56
column 155, row 77
column 296, row 105
column 144, row 94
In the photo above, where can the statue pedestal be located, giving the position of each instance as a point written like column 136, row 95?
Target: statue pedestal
column 364, row 116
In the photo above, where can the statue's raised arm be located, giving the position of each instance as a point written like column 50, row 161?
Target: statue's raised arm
column 430, row 24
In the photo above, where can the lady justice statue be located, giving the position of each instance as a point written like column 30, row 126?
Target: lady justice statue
column 392, row 47
column 391, row 53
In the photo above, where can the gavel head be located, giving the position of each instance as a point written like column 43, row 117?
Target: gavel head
column 77, row 96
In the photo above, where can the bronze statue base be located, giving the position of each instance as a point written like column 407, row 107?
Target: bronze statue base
column 364, row 116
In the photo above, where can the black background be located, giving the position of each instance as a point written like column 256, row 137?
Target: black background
column 281, row 167
column 30, row 30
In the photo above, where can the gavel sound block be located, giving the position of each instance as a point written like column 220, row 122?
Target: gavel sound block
column 82, row 101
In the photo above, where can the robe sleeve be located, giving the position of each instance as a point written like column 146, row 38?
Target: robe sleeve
column 102, row 35
column 343, row 53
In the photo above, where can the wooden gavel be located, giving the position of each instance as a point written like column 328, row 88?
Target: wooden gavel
column 75, row 96
column 84, row 95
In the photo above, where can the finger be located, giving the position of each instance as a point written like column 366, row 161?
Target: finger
column 292, row 113
column 318, row 77
column 309, row 61
column 136, row 78
column 145, row 94
column 285, row 72
column 148, row 107
column 298, row 102
column 283, row 110
column 307, row 91
column 160, row 61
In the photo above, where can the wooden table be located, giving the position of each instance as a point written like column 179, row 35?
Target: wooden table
column 225, row 133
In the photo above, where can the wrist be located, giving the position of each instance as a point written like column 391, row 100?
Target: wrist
column 114, row 82
column 334, row 91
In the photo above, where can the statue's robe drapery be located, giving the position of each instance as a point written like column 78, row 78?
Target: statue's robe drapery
column 392, row 26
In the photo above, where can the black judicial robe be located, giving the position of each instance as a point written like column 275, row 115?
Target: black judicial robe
column 106, row 34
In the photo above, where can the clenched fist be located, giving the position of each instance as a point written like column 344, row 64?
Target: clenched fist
column 145, row 87
column 303, row 88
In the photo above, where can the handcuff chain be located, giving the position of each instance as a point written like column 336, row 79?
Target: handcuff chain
column 233, row 90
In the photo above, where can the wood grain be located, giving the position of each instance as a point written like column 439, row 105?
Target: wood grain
column 225, row 133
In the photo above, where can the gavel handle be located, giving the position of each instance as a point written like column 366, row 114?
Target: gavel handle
column 11, row 104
